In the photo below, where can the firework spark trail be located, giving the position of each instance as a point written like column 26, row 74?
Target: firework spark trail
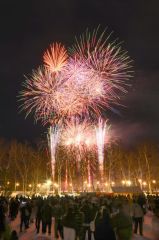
column 76, row 134
column 101, row 134
column 53, row 138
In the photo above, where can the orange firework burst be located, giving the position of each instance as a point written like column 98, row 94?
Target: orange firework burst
column 55, row 58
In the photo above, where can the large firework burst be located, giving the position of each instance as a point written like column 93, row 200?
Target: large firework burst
column 109, row 63
column 87, row 80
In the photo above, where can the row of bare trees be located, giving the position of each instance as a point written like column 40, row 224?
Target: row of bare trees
column 24, row 164
column 140, row 165
column 21, row 165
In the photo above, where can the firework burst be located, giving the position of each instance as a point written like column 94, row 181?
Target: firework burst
column 88, row 80
column 56, row 57
column 40, row 94
column 109, row 63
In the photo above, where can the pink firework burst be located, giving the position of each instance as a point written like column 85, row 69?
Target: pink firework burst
column 110, row 64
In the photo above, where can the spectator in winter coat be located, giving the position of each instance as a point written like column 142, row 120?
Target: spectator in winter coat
column 14, row 235
column 123, row 224
column 103, row 228
column 58, row 212
column 2, row 221
column 138, row 215
column 13, row 208
column 79, row 219
column 38, row 215
column 69, row 225
column 46, row 216
column 23, row 216
column 89, row 215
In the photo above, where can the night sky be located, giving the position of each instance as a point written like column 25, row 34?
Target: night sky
column 28, row 27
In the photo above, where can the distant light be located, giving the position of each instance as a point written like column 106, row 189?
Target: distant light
column 97, row 182
column 39, row 185
column 68, row 142
column 8, row 183
column 140, row 180
column 113, row 183
column 123, row 182
column 17, row 184
column 30, row 185
column 48, row 182
column 128, row 182
column 87, row 142
column 56, row 185
column 106, row 184
column 154, row 181
column 144, row 183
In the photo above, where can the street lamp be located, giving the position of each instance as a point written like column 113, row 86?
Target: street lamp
column 16, row 185
column 140, row 180
column 128, row 182
column 123, row 182
column 154, row 181
column 144, row 183
column 48, row 184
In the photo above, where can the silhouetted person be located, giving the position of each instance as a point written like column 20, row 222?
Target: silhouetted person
column 46, row 215
column 14, row 235
column 103, row 228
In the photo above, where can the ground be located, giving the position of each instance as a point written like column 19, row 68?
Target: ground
column 151, row 230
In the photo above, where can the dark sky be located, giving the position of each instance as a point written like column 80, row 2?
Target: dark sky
column 28, row 27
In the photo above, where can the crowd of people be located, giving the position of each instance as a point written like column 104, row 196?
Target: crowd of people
column 83, row 217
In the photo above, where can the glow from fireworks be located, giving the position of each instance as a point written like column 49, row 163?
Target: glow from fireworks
column 53, row 137
column 87, row 80
column 76, row 133
column 74, row 136
column 56, row 57
column 81, row 137
column 81, row 133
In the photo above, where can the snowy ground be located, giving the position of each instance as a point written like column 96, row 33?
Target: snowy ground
column 151, row 230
